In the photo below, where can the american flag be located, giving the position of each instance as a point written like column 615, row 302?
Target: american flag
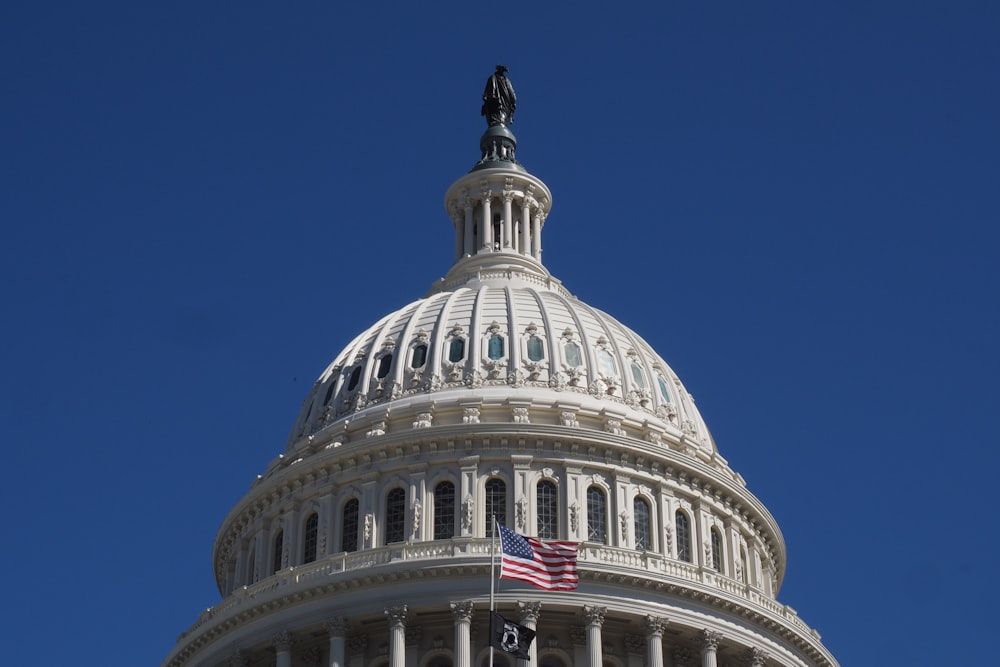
column 550, row 566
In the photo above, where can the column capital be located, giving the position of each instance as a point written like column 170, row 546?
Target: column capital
column 655, row 625
column 755, row 657
column 283, row 641
column 594, row 615
column 396, row 615
column 529, row 610
column 710, row 639
column 336, row 626
column 462, row 610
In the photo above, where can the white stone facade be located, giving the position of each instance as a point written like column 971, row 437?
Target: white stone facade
column 367, row 541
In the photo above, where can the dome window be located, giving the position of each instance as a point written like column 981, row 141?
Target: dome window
column 352, row 382
column 419, row 357
column 547, row 510
column 496, row 503
column 329, row 391
column 606, row 363
column 349, row 526
column 456, row 350
column 535, row 350
column 683, row 537
column 279, row 547
column 663, row 388
column 597, row 515
column 638, row 376
column 444, row 511
column 384, row 364
column 572, row 352
column 310, row 541
column 641, row 518
column 495, row 347
column 716, row 550
column 395, row 516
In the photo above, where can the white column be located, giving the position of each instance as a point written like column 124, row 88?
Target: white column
column 529, row 612
column 462, row 613
column 654, row 640
column 508, row 218
column 470, row 222
column 337, row 628
column 595, row 645
column 459, row 221
column 709, row 646
column 536, row 234
column 487, row 221
column 526, row 227
column 283, row 648
column 397, row 636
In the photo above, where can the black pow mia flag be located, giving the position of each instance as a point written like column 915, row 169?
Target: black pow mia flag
column 510, row 637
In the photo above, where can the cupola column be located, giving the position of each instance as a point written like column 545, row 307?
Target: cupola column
column 337, row 628
column 397, row 636
column 530, row 612
column 709, row 646
column 654, row 640
column 595, row 645
column 525, row 247
column 462, row 613
column 283, row 648
column 508, row 217
column 536, row 234
column 487, row 230
column 470, row 222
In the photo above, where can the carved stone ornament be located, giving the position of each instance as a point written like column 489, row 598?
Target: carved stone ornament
column 529, row 611
column 710, row 639
column 755, row 657
column 470, row 416
column 282, row 641
column 417, row 511
column 578, row 635
column 655, row 626
column 594, row 614
column 520, row 415
column 624, row 518
column 614, row 426
column 468, row 507
column 568, row 418
column 378, row 428
column 559, row 381
column 369, row 522
column 463, row 610
column 517, row 378
column 521, row 512
column 396, row 616
column 455, row 374
column 423, row 420
column 574, row 516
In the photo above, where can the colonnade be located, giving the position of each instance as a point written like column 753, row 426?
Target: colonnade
column 478, row 229
column 588, row 642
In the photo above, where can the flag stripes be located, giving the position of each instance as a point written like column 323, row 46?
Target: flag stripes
column 547, row 565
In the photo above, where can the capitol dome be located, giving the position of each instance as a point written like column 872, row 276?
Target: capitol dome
column 368, row 541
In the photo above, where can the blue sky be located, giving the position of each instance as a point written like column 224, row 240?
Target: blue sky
column 794, row 203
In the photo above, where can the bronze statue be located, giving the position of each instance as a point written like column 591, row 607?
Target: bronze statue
column 499, row 100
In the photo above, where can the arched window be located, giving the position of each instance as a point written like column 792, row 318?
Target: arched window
column 597, row 515
column 535, row 350
column 279, row 546
column 349, row 530
column 572, row 352
column 384, row 364
column 310, row 540
column 252, row 562
column 683, row 537
column 496, row 503
column 444, row 511
column 395, row 516
column 495, row 347
column 716, row 550
column 643, row 528
column 329, row 391
column 419, row 356
column 547, row 510
column 456, row 350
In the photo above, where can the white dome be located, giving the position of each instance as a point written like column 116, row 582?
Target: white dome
column 539, row 347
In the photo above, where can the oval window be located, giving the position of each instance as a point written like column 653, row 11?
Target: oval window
column 419, row 356
column 383, row 366
column 572, row 352
column 535, row 351
column 496, row 347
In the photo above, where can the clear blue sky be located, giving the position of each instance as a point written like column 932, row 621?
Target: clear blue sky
column 795, row 203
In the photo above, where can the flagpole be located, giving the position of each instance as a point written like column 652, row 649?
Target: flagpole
column 493, row 567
